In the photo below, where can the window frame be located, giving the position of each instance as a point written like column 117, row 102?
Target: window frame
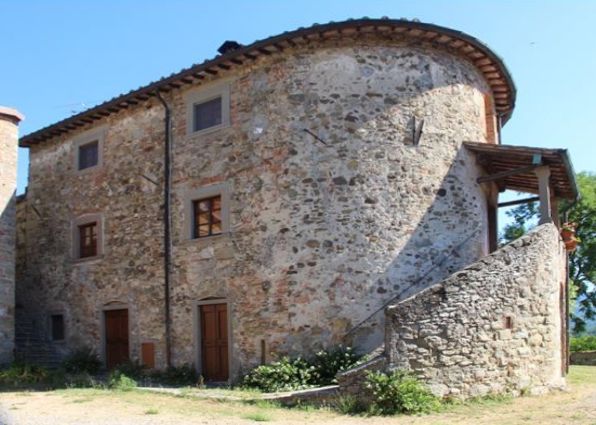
column 203, row 95
column 84, row 220
column 191, row 196
column 196, row 228
column 92, row 248
column 86, row 145
column 51, row 326
column 93, row 135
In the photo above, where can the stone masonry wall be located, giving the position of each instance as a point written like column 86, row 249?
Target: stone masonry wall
column 493, row 327
column 9, row 120
column 321, row 235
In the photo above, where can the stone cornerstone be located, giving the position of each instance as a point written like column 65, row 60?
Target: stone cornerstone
column 493, row 327
column 9, row 121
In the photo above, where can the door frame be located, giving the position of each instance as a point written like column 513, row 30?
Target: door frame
column 102, row 330
column 197, row 337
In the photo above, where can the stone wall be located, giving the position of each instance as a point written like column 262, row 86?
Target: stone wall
column 9, row 120
column 493, row 327
column 322, row 234
column 586, row 358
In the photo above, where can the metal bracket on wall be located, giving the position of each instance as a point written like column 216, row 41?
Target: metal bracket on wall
column 416, row 131
column 36, row 211
column 317, row 138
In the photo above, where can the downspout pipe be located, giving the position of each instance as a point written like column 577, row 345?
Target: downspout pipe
column 167, row 220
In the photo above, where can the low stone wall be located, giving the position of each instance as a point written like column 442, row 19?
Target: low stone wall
column 494, row 327
column 351, row 382
column 584, row 358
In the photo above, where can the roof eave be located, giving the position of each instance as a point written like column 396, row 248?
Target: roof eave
column 261, row 47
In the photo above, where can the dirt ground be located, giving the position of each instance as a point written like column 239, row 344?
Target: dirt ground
column 101, row 407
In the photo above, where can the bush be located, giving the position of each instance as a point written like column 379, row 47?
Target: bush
column 328, row 363
column 23, row 374
column 78, row 380
column 82, row 361
column 283, row 375
column 349, row 405
column 176, row 376
column 131, row 369
column 399, row 392
column 287, row 374
column 583, row 343
column 119, row 381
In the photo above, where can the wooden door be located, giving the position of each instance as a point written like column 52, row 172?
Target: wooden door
column 116, row 322
column 214, row 342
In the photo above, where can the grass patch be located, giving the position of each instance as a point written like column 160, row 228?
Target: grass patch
column 81, row 400
column 151, row 411
column 257, row 417
column 582, row 375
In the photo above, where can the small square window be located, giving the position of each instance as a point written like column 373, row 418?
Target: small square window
column 88, row 240
column 207, row 114
column 207, row 108
column 207, row 217
column 57, row 327
column 88, row 155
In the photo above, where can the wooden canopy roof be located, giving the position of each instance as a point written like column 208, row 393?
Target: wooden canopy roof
column 512, row 167
column 486, row 61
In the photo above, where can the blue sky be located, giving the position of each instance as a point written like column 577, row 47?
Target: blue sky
column 63, row 56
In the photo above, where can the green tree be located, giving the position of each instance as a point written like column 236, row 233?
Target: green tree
column 582, row 262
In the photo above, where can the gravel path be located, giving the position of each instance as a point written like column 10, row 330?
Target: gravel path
column 100, row 407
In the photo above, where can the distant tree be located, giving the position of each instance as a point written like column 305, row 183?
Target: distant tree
column 582, row 262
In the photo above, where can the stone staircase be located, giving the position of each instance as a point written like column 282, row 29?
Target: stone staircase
column 32, row 346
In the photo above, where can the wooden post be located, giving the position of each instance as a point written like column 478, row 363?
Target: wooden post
column 543, row 174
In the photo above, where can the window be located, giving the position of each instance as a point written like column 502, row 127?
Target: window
column 87, row 149
column 87, row 240
column 87, row 237
column 207, row 217
column 88, row 155
column 57, row 327
column 207, row 114
column 490, row 120
column 206, row 211
column 208, row 108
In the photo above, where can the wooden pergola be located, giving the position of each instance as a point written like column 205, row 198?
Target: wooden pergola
column 547, row 173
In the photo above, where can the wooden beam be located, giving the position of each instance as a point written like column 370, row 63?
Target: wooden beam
column 518, row 202
column 503, row 174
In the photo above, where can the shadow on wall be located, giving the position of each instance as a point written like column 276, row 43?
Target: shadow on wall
column 7, row 288
column 451, row 234
column 409, row 214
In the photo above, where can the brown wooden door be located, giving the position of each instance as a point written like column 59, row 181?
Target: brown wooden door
column 116, row 337
column 214, row 342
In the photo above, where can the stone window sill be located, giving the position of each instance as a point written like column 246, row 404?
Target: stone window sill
column 209, row 130
column 93, row 259
column 206, row 239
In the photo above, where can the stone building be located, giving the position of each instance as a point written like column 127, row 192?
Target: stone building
column 9, row 122
column 273, row 200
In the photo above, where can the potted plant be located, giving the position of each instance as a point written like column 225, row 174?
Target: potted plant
column 568, row 236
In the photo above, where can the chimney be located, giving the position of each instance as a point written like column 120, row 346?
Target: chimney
column 9, row 123
column 229, row 46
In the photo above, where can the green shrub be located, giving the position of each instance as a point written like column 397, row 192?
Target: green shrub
column 583, row 343
column 19, row 374
column 119, row 381
column 349, row 405
column 184, row 375
column 80, row 380
column 82, row 361
column 399, row 392
column 131, row 369
column 283, row 375
column 294, row 374
column 328, row 363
